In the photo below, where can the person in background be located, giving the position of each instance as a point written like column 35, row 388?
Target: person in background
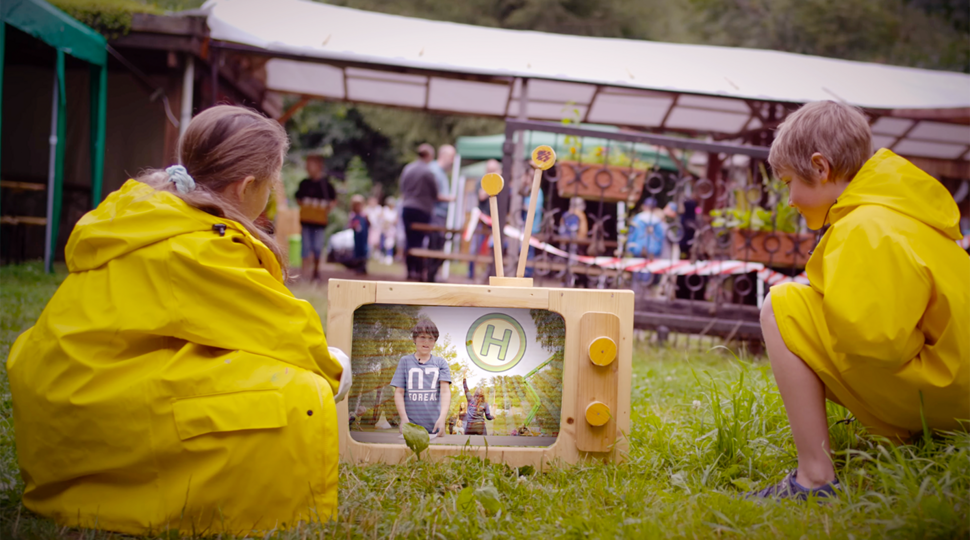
column 671, row 249
column 525, row 191
column 439, row 218
column 573, row 223
column 316, row 197
column 647, row 231
column 480, row 241
column 358, row 222
column 478, row 411
column 375, row 216
column 419, row 193
column 389, row 221
column 688, row 221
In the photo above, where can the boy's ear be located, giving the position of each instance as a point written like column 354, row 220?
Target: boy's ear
column 821, row 167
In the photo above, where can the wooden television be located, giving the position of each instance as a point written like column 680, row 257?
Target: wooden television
column 574, row 342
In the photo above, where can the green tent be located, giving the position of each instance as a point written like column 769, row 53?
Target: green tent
column 68, row 37
column 490, row 147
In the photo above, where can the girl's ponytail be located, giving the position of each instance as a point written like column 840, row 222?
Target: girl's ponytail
column 222, row 145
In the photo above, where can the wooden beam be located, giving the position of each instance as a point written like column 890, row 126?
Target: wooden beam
column 684, row 171
column 295, row 108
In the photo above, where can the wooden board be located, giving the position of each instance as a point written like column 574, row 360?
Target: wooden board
column 343, row 297
column 596, row 383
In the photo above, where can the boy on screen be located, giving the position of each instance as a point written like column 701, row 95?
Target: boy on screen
column 421, row 392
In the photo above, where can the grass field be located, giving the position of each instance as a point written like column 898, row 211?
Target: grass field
column 706, row 426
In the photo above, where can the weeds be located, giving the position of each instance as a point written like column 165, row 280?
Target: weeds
column 704, row 428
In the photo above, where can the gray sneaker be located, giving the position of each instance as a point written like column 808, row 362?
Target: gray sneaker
column 789, row 488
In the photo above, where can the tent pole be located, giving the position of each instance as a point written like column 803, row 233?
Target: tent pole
column 60, row 145
column 214, row 74
column 455, row 210
column 51, row 173
column 188, row 88
column 98, row 113
column 513, row 202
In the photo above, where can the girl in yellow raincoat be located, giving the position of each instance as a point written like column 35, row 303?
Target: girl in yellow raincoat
column 884, row 328
column 173, row 382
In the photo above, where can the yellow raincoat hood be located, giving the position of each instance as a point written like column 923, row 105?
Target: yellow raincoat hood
column 137, row 216
column 173, row 382
column 893, row 182
column 886, row 321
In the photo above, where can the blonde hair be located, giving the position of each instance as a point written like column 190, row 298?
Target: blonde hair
column 356, row 201
column 220, row 146
column 838, row 131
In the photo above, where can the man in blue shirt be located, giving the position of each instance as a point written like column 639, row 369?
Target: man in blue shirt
column 436, row 240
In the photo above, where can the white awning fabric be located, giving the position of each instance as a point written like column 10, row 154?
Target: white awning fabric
column 346, row 54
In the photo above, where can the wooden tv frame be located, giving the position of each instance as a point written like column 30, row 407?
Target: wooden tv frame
column 588, row 314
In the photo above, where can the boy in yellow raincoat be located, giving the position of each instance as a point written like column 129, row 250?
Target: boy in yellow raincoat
column 173, row 382
column 884, row 328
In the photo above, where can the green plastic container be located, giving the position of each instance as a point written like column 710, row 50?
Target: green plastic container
column 296, row 248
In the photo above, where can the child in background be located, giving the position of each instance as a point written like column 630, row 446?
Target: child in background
column 573, row 223
column 647, row 231
column 173, row 358
column 478, row 411
column 361, row 227
column 389, row 229
column 375, row 215
column 421, row 383
column 883, row 327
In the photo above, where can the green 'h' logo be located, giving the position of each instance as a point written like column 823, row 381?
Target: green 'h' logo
column 503, row 344
column 495, row 342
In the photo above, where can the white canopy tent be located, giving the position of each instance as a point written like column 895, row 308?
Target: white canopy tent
column 338, row 53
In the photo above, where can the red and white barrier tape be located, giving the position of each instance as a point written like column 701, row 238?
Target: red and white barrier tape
column 659, row 266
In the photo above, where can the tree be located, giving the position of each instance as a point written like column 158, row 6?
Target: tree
column 884, row 31
column 382, row 335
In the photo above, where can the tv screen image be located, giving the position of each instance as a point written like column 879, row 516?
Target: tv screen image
column 547, row 371
column 502, row 370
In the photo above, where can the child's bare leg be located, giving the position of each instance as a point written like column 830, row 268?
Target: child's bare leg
column 804, row 397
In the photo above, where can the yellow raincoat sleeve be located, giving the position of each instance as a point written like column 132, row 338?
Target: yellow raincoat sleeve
column 225, row 298
column 875, row 292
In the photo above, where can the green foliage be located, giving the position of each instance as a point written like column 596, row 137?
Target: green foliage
column 384, row 336
column 901, row 32
column 634, row 19
column 381, row 139
column 24, row 291
column 417, row 438
column 750, row 216
column 112, row 18
column 176, row 5
column 487, row 496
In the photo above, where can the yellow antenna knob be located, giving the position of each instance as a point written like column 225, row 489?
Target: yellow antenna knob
column 598, row 413
column 544, row 157
column 492, row 184
column 602, row 351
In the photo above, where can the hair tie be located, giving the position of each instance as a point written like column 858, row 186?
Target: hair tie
column 181, row 178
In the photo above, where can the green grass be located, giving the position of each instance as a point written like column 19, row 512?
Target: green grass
column 706, row 426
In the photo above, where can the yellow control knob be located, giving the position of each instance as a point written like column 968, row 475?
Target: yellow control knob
column 598, row 413
column 544, row 157
column 492, row 184
column 602, row 351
